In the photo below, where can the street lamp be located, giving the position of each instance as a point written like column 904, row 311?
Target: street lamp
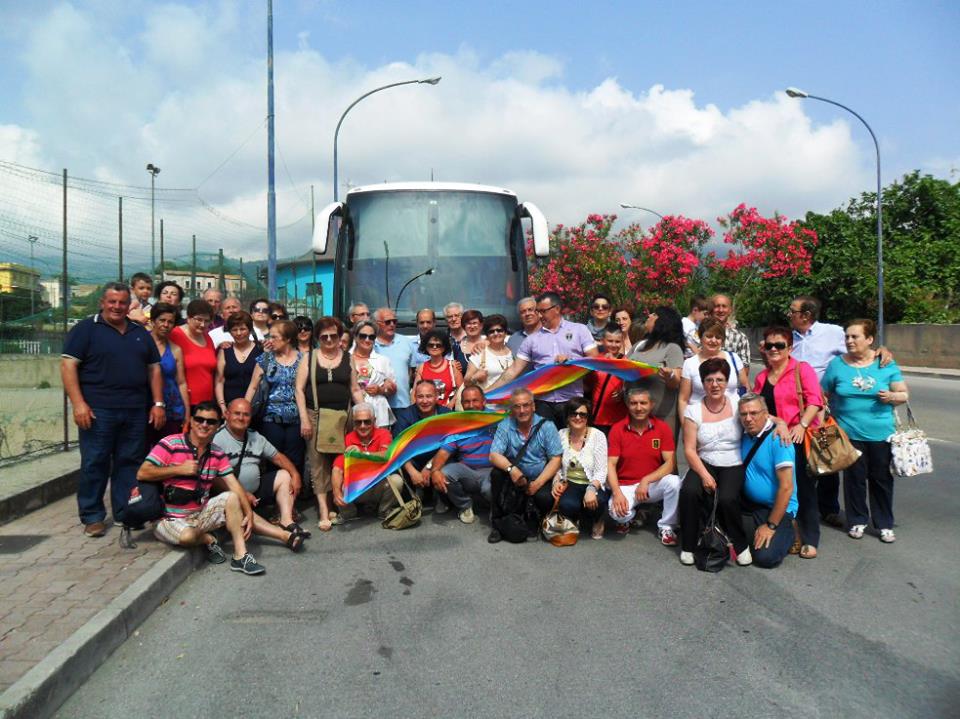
column 154, row 171
column 625, row 206
column 32, row 239
column 336, row 133
column 801, row 95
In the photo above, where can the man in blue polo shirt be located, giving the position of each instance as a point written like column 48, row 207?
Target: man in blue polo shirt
column 111, row 372
column 769, row 490
column 470, row 474
column 399, row 350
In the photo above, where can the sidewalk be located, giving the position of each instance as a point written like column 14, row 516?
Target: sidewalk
column 67, row 601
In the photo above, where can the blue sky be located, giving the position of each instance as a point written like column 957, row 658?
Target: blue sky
column 678, row 106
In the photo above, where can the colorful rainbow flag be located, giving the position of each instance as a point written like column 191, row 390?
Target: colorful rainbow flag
column 554, row 376
column 362, row 471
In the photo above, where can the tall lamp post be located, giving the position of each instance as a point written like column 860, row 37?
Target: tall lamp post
column 625, row 206
column 32, row 239
column 800, row 94
column 336, row 133
column 154, row 171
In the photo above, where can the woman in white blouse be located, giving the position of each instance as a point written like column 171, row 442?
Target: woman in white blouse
column 374, row 372
column 485, row 366
column 581, row 483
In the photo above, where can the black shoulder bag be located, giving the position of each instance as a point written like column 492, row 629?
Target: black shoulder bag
column 513, row 503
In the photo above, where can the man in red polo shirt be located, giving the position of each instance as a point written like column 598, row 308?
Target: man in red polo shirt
column 640, row 466
column 369, row 438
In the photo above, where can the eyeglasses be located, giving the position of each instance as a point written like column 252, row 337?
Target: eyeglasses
column 362, row 422
column 545, row 309
column 329, row 337
column 435, row 345
column 579, row 414
column 261, row 309
column 277, row 316
column 200, row 320
column 304, row 328
column 496, row 331
column 775, row 346
column 792, row 311
column 209, row 421
column 366, row 336
column 715, row 380
column 389, row 322
column 601, row 306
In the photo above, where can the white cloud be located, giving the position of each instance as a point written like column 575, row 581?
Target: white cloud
column 20, row 145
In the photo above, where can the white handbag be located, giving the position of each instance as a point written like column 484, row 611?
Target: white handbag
column 909, row 449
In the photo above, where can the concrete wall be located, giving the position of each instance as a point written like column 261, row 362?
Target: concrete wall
column 29, row 370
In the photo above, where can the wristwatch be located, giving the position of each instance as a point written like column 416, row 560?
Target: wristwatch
column 161, row 405
column 509, row 468
column 772, row 526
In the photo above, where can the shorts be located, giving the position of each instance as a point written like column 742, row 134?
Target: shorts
column 211, row 517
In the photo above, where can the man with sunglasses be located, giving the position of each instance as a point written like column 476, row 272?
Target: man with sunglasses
column 188, row 465
column 557, row 341
column 366, row 437
column 600, row 308
column 399, row 350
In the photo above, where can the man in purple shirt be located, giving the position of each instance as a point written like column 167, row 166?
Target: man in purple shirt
column 557, row 341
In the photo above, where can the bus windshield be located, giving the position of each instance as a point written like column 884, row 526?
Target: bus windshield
column 463, row 236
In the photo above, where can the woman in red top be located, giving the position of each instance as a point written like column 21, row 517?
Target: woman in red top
column 778, row 384
column 199, row 354
column 606, row 391
column 445, row 374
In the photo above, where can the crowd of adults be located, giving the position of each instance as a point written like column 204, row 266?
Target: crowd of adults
column 238, row 414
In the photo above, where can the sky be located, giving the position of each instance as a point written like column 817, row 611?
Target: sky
column 678, row 107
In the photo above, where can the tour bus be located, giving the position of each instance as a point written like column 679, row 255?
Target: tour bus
column 413, row 245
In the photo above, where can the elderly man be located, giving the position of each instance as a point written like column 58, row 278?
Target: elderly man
column 470, row 473
column 529, row 323
column 736, row 341
column 453, row 314
column 219, row 335
column 539, row 442
column 247, row 449
column 366, row 437
column 601, row 306
column 641, row 466
column 769, row 489
column 424, row 405
column 557, row 340
column 214, row 298
column 357, row 312
column 110, row 369
column 399, row 350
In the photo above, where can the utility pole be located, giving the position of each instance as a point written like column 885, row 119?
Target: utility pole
column 313, row 255
column 66, row 308
column 32, row 239
column 241, row 280
column 271, row 193
column 161, row 250
column 193, row 269
column 120, row 238
column 154, row 171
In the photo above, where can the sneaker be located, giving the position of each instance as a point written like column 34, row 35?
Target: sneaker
column 467, row 516
column 686, row 558
column 494, row 536
column 745, row 559
column 95, row 529
column 667, row 537
column 246, row 564
column 215, row 553
column 887, row 536
column 856, row 531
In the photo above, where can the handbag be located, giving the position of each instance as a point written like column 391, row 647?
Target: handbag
column 827, row 448
column 909, row 449
column 258, row 405
column 711, row 553
column 407, row 515
column 329, row 425
column 557, row 529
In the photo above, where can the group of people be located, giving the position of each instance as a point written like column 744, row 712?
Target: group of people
column 237, row 413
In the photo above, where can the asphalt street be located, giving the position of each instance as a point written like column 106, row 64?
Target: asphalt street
column 433, row 621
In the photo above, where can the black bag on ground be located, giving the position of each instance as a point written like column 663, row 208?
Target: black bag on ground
column 711, row 553
column 518, row 518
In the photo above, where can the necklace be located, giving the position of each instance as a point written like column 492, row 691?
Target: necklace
column 723, row 406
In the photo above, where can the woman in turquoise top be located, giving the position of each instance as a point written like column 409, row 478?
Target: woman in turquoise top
column 862, row 395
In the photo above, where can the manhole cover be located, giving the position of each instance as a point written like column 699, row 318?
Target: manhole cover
column 17, row 543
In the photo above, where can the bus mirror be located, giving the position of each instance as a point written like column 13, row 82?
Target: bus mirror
column 541, row 234
column 321, row 225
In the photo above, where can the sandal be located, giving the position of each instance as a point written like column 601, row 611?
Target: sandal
column 623, row 529
column 295, row 542
column 808, row 551
column 325, row 525
column 796, row 547
column 295, row 528
column 598, row 529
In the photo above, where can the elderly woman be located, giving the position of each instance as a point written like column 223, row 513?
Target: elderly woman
column 260, row 312
column 792, row 392
column 442, row 372
column 175, row 393
column 170, row 293
column 473, row 326
column 199, row 354
column 325, row 385
column 662, row 346
column 278, row 368
column 237, row 360
column 581, row 482
column 485, row 367
column 712, row 336
column 862, row 396
column 711, row 445
column 374, row 372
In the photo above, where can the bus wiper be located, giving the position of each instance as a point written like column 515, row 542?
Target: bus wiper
column 425, row 273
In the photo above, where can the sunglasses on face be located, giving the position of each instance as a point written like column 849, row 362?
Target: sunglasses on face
column 363, row 422
column 304, row 328
column 276, row 316
column 260, row 309
column 209, row 421
column 435, row 345
column 329, row 338
column 388, row 322
column 579, row 414
column 366, row 336
column 601, row 307
column 774, row 346
column 496, row 331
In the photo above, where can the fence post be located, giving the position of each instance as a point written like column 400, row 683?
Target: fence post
column 242, row 299
column 120, row 238
column 193, row 269
column 161, row 251
column 223, row 279
column 66, row 309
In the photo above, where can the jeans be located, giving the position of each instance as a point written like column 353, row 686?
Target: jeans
column 287, row 440
column 808, row 512
column 779, row 546
column 871, row 470
column 828, row 494
column 695, row 506
column 462, row 481
column 111, row 450
column 571, row 504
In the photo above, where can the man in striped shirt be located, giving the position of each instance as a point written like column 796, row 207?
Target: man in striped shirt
column 188, row 465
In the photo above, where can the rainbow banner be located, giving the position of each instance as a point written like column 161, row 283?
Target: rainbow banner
column 554, row 376
column 362, row 471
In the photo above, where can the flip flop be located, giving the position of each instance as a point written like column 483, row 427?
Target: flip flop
column 808, row 551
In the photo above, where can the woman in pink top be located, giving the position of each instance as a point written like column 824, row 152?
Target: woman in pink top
column 778, row 384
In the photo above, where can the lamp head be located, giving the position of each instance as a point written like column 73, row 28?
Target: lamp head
column 795, row 92
column 429, row 272
column 431, row 80
column 625, row 206
column 153, row 169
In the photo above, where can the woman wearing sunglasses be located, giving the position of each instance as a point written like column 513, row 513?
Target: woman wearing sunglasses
column 260, row 312
column 581, row 482
column 443, row 373
column 304, row 333
column 485, row 367
column 792, row 392
column 374, row 372
column 326, row 383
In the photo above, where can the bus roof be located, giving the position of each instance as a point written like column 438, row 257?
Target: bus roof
column 431, row 187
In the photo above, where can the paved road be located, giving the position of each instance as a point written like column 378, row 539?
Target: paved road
column 434, row 621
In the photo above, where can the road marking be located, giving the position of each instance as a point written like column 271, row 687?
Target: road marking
column 942, row 441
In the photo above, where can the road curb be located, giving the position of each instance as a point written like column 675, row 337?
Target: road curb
column 931, row 372
column 39, row 692
column 29, row 500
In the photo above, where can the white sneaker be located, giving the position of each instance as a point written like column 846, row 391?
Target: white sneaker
column 857, row 530
column 887, row 536
column 686, row 558
column 467, row 516
column 745, row 559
